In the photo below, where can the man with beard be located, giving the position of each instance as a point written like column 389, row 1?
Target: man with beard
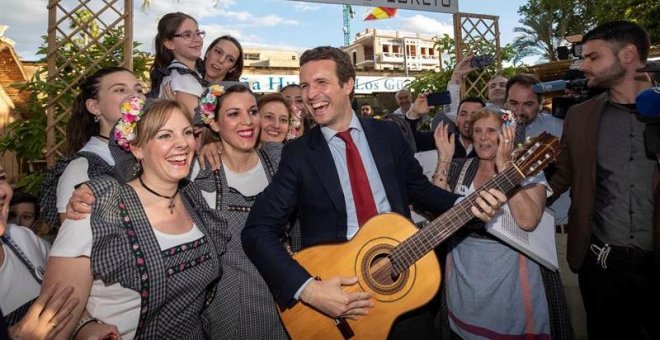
column 425, row 140
column 602, row 159
column 526, row 106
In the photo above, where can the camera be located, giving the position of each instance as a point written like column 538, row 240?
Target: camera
column 482, row 61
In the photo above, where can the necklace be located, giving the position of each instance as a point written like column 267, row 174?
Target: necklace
column 104, row 137
column 171, row 198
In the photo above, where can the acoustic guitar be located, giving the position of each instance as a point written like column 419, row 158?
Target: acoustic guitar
column 393, row 260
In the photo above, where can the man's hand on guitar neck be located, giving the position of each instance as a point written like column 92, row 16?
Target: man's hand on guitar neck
column 328, row 297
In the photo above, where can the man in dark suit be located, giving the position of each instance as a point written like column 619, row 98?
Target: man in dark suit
column 602, row 159
column 314, row 181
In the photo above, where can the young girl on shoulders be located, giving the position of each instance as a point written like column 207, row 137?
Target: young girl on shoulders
column 178, row 47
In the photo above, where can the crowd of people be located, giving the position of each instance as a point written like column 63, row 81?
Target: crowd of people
column 177, row 211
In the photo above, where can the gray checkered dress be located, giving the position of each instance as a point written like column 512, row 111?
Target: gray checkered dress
column 243, row 307
column 174, row 284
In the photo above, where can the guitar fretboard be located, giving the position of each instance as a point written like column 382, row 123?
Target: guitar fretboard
column 437, row 231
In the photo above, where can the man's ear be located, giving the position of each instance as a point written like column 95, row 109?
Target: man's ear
column 628, row 54
column 349, row 85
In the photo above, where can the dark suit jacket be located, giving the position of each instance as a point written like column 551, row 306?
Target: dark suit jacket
column 307, row 183
column 576, row 167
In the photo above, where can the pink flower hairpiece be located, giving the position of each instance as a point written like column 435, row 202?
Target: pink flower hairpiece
column 295, row 122
column 208, row 103
column 131, row 111
column 508, row 118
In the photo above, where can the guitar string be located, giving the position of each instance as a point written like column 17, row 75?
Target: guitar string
column 452, row 217
column 417, row 251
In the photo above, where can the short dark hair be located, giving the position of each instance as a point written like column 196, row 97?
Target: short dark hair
column 23, row 197
column 363, row 104
column 524, row 79
column 619, row 33
column 472, row 99
column 343, row 69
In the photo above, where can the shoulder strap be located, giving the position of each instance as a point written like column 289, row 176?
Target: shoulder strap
column 462, row 174
column 37, row 273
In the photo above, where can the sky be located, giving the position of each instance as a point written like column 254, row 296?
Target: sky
column 256, row 23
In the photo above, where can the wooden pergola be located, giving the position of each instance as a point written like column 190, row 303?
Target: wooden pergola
column 477, row 34
column 104, row 16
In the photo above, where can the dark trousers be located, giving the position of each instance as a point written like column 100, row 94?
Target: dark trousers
column 622, row 301
column 417, row 324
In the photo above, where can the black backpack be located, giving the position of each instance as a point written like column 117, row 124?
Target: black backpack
column 48, row 187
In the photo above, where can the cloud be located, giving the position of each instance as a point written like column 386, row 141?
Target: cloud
column 26, row 26
column 305, row 7
column 251, row 20
column 424, row 24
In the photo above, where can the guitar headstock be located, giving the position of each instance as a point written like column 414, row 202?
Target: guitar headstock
column 537, row 154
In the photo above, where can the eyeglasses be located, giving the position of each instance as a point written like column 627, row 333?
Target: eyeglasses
column 189, row 35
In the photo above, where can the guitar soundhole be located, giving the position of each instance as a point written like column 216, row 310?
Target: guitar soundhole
column 377, row 271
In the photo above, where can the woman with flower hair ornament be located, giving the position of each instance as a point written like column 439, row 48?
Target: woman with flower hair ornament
column 489, row 288
column 144, row 260
column 95, row 111
column 243, row 307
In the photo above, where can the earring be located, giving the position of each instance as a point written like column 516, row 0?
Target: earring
column 97, row 118
column 137, row 167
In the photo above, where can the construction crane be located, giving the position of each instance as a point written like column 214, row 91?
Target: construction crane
column 348, row 15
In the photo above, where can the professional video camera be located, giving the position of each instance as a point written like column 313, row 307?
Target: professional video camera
column 574, row 88
column 648, row 112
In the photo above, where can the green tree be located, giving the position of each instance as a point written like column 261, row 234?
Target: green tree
column 437, row 81
column 26, row 137
column 545, row 23
column 642, row 12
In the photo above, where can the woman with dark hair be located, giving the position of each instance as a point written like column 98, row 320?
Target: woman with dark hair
column 144, row 260
column 276, row 115
column 177, row 64
column 95, row 111
column 223, row 60
column 243, row 307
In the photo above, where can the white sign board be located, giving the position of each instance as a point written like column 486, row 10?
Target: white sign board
column 443, row 6
column 363, row 84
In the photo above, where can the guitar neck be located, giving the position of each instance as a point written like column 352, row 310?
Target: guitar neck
column 437, row 231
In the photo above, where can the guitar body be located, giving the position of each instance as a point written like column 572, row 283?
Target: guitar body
column 365, row 256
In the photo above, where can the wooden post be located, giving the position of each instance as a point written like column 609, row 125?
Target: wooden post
column 128, row 34
column 50, row 151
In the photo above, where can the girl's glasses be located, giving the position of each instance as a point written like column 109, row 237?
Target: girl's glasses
column 189, row 35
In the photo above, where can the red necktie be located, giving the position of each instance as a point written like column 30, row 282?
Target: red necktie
column 364, row 200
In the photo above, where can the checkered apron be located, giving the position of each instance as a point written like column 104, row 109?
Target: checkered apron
column 243, row 307
column 174, row 284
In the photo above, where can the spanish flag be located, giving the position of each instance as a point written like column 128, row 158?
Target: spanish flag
column 380, row 13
